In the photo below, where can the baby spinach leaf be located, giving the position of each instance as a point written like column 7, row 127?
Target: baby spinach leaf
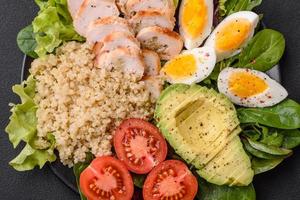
column 78, row 168
column 227, row 7
column 26, row 41
column 285, row 115
column 273, row 138
column 257, row 153
column 209, row 191
column 263, row 51
column 268, row 148
column 138, row 180
column 291, row 138
column 252, row 134
column 262, row 165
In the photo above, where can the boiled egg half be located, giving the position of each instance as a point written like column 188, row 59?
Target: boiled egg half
column 232, row 34
column 191, row 66
column 250, row 88
column 195, row 21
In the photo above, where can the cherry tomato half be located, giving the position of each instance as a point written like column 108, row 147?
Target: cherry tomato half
column 170, row 180
column 106, row 178
column 140, row 145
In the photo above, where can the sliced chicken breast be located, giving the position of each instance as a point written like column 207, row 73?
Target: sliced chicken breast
column 121, row 5
column 115, row 40
column 154, row 85
column 152, row 62
column 73, row 6
column 91, row 10
column 165, row 42
column 134, row 6
column 146, row 18
column 100, row 28
column 129, row 60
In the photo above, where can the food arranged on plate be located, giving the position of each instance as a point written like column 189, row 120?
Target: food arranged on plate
column 147, row 103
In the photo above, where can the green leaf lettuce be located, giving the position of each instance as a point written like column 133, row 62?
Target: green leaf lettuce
column 23, row 127
column 52, row 26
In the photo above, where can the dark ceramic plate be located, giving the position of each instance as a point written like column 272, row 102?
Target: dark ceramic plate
column 64, row 173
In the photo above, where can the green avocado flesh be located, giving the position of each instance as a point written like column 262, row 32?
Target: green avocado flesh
column 202, row 126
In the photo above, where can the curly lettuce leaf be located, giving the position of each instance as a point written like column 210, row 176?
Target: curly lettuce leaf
column 23, row 127
column 52, row 26
column 31, row 157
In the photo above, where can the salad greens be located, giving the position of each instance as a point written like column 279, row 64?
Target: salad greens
column 51, row 27
column 262, row 165
column 26, row 41
column 285, row 115
column 208, row 191
column 291, row 138
column 22, row 127
column 263, row 51
column 78, row 168
column 227, row 7
column 138, row 180
column 273, row 150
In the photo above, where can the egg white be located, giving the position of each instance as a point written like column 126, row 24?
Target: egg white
column 205, row 61
column 190, row 42
column 252, row 17
column 274, row 94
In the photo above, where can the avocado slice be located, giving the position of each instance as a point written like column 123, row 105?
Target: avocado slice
column 202, row 127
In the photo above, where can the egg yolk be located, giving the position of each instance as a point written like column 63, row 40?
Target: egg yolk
column 233, row 34
column 245, row 85
column 180, row 67
column 194, row 17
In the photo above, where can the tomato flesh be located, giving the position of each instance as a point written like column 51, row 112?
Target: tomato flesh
column 140, row 145
column 170, row 180
column 106, row 178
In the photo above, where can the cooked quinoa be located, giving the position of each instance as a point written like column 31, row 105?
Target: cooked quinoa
column 81, row 104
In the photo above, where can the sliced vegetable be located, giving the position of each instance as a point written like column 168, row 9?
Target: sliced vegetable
column 23, row 127
column 140, row 145
column 106, row 178
column 78, row 168
column 26, row 41
column 285, row 115
column 262, row 165
column 52, row 26
column 263, row 51
column 268, row 148
column 170, row 180
column 208, row 191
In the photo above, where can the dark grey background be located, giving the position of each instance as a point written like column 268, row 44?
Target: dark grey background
column 283, row 183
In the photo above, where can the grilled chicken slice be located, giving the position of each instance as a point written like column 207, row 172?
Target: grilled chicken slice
column 129, row 60
column 100, row 28
column 134, row 6
column 165, row 42
column 146, row 18
column 91, row 10
column 154, row 85
column 152, row 62
column 73, row 6
column 115, row 40
column 121, row 5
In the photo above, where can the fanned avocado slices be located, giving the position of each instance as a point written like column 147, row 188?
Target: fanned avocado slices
column 202, row 126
